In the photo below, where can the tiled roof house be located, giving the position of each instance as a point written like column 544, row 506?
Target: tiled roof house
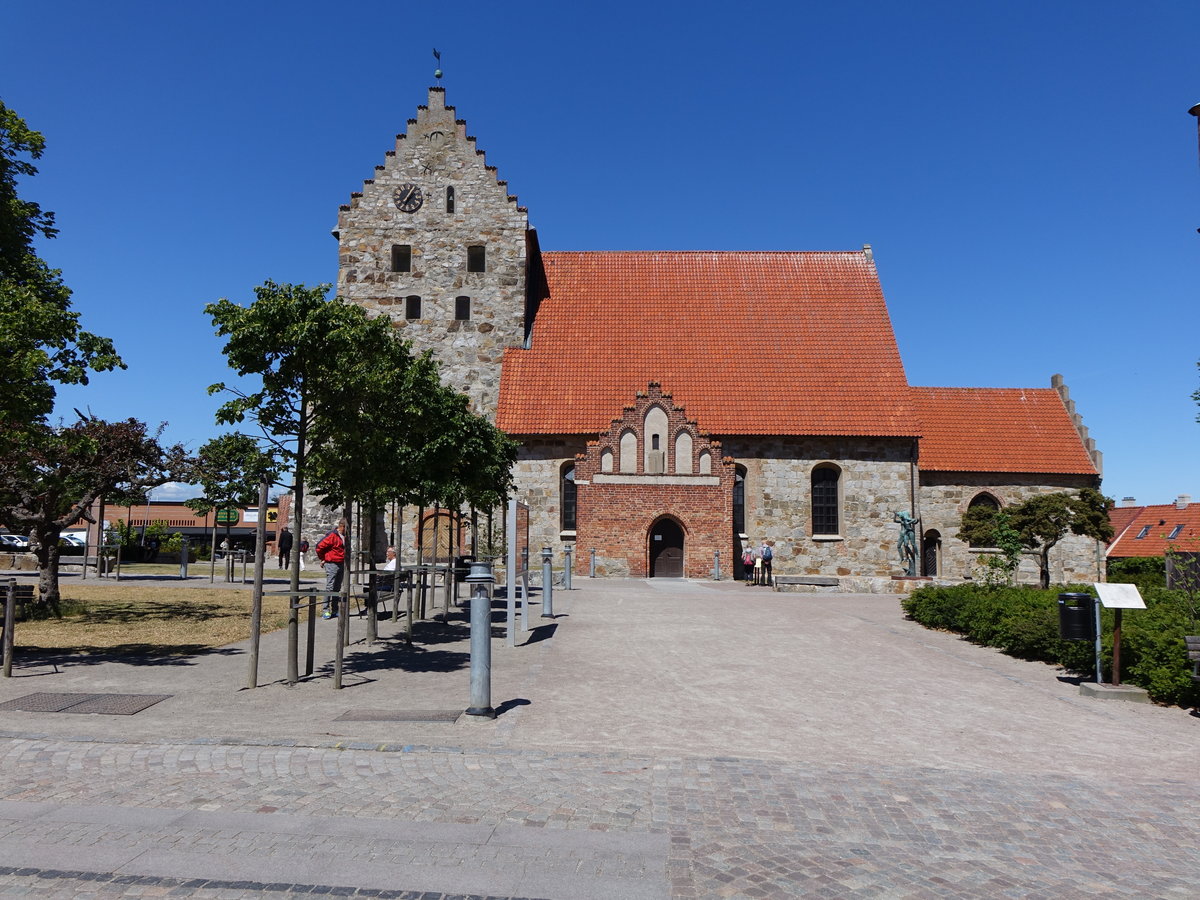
column 675, row 407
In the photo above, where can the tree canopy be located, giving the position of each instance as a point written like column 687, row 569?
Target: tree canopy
column 1040, row 523
column 57, row 473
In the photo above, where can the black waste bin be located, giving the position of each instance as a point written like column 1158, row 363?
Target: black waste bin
column 462, row 565
column 1076, row 617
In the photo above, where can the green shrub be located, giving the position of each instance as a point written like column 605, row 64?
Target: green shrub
column 1023, row 622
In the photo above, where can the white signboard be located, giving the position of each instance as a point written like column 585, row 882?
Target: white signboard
column 1120, row 596
column 250, row 516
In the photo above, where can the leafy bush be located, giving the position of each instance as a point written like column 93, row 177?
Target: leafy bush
column 1023, row 622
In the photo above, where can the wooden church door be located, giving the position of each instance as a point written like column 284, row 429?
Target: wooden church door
column 666, row 549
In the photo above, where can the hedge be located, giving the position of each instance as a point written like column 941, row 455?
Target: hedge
column 1023, row 622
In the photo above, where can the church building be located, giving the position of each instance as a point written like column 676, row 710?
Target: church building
column 673, row 407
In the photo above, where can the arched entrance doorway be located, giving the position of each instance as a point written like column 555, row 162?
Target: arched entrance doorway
column 666, row 549
column 931, row 546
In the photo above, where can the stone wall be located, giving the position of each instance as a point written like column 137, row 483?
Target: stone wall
column 434, row 154
column 946, row 495
column 876, row 481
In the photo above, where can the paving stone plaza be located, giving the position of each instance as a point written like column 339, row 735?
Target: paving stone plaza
column 657, row 739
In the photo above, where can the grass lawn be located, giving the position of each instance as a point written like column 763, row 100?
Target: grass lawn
column 148, row 619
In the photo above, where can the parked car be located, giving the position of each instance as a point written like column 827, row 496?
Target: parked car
column 14, row 543
column 74, row 538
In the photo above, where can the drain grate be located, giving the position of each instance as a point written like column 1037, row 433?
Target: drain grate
column 400, row 715
column 94, row 704
column 46, row 702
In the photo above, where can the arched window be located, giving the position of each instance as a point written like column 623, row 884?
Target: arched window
column 739, row 500
column 606, row 460
column 826, row 504
column 655, row 437
column 628, row 452
column 683, row 453
column 705, row 463
column 982, row 505
column 568, row 497
column 412, row 307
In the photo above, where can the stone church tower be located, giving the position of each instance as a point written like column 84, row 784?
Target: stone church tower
column 436, row 242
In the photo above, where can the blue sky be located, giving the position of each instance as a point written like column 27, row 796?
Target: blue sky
column 1026, row 172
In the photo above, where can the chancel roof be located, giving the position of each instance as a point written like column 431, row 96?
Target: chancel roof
column 749, row 343
column 998, row 430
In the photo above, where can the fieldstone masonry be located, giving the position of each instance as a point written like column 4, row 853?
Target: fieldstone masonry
column 403, row 244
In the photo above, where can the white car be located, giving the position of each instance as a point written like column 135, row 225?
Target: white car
column 75, row 538
column 14, row 543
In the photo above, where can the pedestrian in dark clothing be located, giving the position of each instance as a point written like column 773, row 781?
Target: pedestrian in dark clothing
column 284, row 544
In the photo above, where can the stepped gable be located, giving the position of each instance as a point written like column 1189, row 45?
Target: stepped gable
column 999, row 430
column 754, row 343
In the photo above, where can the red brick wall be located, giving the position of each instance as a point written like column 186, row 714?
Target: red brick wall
column 616, row 518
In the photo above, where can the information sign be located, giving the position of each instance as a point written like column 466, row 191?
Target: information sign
column 227, row 516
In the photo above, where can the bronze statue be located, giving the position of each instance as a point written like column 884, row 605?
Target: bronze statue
column 907, row 544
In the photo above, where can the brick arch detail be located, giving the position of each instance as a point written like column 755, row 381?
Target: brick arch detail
column 616, row 510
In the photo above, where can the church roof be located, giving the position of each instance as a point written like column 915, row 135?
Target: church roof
column 748, row 343
column 998, row 430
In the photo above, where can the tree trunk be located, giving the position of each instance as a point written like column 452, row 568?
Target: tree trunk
column 1044, row 566
column 46, row 550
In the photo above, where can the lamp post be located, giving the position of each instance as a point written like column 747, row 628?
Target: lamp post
column 480, row 578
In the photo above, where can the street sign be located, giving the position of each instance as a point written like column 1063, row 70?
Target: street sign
column 227, row 516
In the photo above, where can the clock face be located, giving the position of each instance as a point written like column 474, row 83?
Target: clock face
column 408, row 198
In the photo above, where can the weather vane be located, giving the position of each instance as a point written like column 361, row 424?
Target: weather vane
column 437, row 73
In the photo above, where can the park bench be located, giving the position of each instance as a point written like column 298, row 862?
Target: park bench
column 1193, row 654
column 25, row 596
column 782, row 581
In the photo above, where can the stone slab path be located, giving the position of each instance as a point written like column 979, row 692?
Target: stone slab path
column 670, row 739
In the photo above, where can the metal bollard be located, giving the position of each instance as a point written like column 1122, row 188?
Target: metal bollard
column 716, row 565
column 547, row 583
column 481, row 578
column 568, row 550
column 592, row 567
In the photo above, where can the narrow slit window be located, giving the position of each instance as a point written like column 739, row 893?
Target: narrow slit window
column 449, row 199
column 401, row 258
column 462, row 308
column 476, row 258
column 412, row 307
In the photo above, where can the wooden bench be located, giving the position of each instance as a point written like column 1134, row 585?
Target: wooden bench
column 1193, row 654
column 25, row 596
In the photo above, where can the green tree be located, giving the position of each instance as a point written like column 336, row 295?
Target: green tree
column 50, row 483
column 307, row 353
column 986, row 526
column 229, row 469
column 41, row 343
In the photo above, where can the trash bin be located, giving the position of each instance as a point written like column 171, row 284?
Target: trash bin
column 1076, row 617
column 462, row 565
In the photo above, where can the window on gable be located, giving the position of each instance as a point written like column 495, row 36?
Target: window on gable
column 568, row 498
column 477, row 258
column 825, row 505
column 1141, row 534
column 401, row 258
column 462, row 308
column 412, row 307
column 1175, row 532
column 449, row 199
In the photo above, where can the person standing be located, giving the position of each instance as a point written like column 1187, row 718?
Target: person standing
column 303, row 552
column 331, row 551
column 766, row 554
column 284, row 545
column 748, row 564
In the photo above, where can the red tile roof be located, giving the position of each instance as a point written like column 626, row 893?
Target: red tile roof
column 748, row 343
column 1158, row 522
column 998, row 430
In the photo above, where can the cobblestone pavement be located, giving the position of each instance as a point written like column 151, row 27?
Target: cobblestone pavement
column 596, row 788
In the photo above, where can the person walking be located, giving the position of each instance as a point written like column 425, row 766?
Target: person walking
column 303, row 552
column 331, row 551
column 284, row 545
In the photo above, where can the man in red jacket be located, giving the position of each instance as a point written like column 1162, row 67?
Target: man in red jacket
column 331, row 551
